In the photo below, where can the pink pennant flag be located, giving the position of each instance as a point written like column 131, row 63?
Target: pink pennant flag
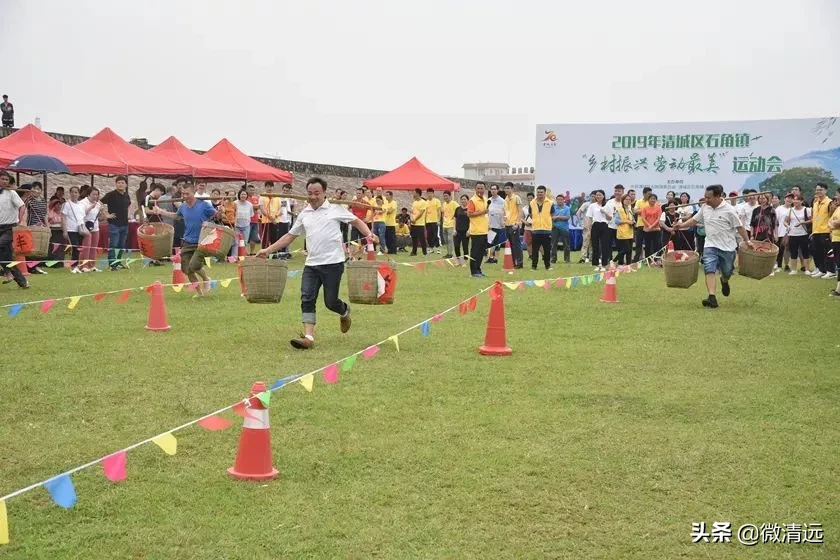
column 421, row 266
column 214, row 423
column 370, row 351
column 547, row 286
column 331, row 373
column 55, row 247
column 124, row 296
column 47, row 305
column 70, row 263
column 560, row 282
column 521, row 286
column 232, row 259
column 114, row 466
column 32, row 264
column 437, row 318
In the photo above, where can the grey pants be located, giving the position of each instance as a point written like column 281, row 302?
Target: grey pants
column 560, row 235
column 447, row 236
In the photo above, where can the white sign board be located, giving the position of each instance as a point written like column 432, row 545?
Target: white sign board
column 687, row 157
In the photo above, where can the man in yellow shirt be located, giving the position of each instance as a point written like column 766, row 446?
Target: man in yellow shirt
column 432, row 220
column 418, row 223
column 834, row 224
column 479, row 226
column 389, row 210
column 513, row 223
column 270, row 216
column 821, row 242
column 448, row 231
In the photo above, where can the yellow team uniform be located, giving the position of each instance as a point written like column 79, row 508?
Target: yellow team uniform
column 513, row 206
column 390, row 218
column 448, row 210
column 835, row 232
column 541, row 218
column 624, row 231
column 636, row 209
column 820, row 213
column 479, row 225
column 432, row 211
column 418, row 212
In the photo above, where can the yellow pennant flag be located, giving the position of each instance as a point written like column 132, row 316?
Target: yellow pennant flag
column 177, row 288
column 4, row 524
column 241, row 259
column 396, row 341
column 539, row 283
column 73, row 301
column 568, row 282
column 207, row 261
column 307, row 381
column 226, row 282
column 15, row 263
column 167, row 442
column 512, row 285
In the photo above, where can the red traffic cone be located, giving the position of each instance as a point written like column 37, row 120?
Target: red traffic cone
column 177, row 274
column 670, row 246
column 253, row 458
column 610, row 294
column 371, row 254
column 507, row 266
column 157, row 310
column 240, row 246
column 494, row 338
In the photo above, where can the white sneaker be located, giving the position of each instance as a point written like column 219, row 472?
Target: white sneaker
column 75, row 270
column 817, row 273
column 95, row 270
column 829, row 275
column 794, row 272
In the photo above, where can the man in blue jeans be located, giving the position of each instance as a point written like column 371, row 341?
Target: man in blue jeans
column 560, row 215
column 117, row 202
column 321, row 223
column 722, row 224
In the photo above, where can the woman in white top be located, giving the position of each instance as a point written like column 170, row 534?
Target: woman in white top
column 795, row 222
column 600, row 234
column 684, row 240
column 244, row 211
column 73, row 216
column 90, row 243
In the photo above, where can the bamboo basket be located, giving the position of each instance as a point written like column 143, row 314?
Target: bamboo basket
column 757, row 263
column 264, row 280
column 215, row 240
column 363, row 283
column 681, row 268
column 155, row 240
column 40, row 240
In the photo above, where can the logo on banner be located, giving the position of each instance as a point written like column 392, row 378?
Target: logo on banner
column 550, row 139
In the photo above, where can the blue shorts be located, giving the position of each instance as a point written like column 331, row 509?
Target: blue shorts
column 716, row 260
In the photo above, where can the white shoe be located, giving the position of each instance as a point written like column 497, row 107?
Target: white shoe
column 794, row 273
column 95, row 270
column 817, row 274
column 75, row 270
column 829, row 275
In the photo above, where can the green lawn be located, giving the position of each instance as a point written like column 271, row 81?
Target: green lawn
column 608, row 432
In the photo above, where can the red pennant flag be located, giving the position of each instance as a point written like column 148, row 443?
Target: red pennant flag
column 462, row 308
column 100, row 296
column 472, row 303
column 547, row 285
column 214, row 423
column 421, row 266
column 560, row 282
column 124, row 296
column 521, row 286
column 47, row 305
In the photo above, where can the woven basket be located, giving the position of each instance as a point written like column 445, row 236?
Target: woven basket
column 215, row 240
column 264, row 280
column 155, row 240
column 362, row 282
column 681, row 273
column 40, row 240
column 757, row 263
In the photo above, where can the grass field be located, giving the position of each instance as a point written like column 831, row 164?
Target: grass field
column 607, row 433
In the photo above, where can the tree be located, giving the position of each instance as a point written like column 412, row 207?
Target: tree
column 805, row 177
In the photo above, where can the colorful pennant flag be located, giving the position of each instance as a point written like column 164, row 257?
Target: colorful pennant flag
column 62, row 491
column 539, row 283
column 100, row 296
column 47, row 305
column 50, row 264
column 547, row 285
column 437, row 318
column 167, row 442
column 395, row 339
column 214, row 423
column 15, row 309
column 177, row 288
column 530, row 283
column 114, row 466
column 214, row 284
column 473, row 301
column 331, row 373
column 512, row 285
column 207, row 261
column 307, row 381
column 348, row 364
column 265, row 398
column 425, row 328
column 226, row 282
column 124, row 296
column 370, row 352
column 73, row 302
column 462, row 308
column 4, row 523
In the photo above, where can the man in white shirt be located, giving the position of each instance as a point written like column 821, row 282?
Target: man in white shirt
column 586, row 225
column 320, row 223
column 609, row 208
column 782, row 213
column 721, row 223
column 496, row 213
column 745, row 209
column 10, row 204
column 201, row 189
column 287, row 209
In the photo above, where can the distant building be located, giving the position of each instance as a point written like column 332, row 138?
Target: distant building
column 499, row 173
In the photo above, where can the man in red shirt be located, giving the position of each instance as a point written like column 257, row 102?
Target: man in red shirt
column 358, row 211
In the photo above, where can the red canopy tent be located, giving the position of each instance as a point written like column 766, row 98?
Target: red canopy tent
column 202, row 166
column 227, row 153
column 6, row 158
column 412, row 175
column 106, row 144
column 31, row 140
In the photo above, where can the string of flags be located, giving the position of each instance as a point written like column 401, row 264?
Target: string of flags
column 114, row 465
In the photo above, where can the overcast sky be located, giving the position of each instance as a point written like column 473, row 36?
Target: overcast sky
column 372, row 83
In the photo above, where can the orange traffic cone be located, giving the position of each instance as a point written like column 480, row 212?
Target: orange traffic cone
column 610, row 294
column 253, row 458
column 22, row 265
column 177, row 274
column 507, row 266
column 157, row 310
column 494, row 338
column 241, row 252
column 371, row 254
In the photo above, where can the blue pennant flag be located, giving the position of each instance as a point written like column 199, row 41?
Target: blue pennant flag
column 103, row 263
column 213, row 284
column 146, row 261
column 530, row 283
column 293, row 273
column 15, row 309
column 597, row 278
column 425, row 328
column 61, row 491
column 575, row 281
column 280, row 382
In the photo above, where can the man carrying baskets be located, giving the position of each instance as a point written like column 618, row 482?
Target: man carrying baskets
column 321, row 223
column 194, row 212
column 723, row 226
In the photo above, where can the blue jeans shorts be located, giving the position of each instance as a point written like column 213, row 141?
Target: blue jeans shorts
column 716, row 260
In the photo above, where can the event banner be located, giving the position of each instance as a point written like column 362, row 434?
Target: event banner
column 686, row 157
